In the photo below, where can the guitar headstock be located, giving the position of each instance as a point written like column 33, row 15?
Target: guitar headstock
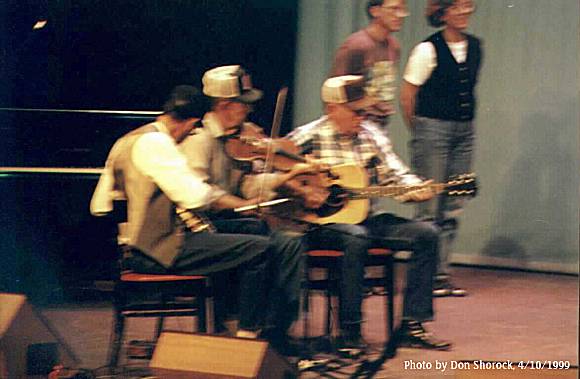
column 462, row 185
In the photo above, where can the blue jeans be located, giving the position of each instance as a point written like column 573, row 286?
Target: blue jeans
column 381, row 231
column 285, row 269
column 439, row 150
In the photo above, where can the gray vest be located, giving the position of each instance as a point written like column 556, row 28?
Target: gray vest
column 152, row 224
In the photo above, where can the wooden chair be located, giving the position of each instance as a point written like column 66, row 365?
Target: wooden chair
column 330, row 261
column 160, row 296
column 152, row 295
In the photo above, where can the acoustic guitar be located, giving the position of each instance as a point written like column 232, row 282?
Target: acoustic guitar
column 349, row 193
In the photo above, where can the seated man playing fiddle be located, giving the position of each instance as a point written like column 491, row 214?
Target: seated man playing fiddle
column 232, row 97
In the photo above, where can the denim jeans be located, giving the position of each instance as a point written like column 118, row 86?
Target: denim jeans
column 439, row 150
column 284, row 272
column 378, row 231
column 353, row 241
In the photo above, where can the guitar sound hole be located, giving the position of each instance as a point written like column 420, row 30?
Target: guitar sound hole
column 337, row 196
column 334, row 203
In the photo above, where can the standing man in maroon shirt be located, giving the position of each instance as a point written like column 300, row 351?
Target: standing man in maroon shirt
column 374, row 53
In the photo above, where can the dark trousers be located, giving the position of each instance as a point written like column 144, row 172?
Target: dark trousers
column 422, row 239
column 268, row 270
column 214, row 253
column 381, row 231
column 285, row 269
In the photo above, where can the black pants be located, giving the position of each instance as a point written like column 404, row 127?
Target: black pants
column 212, row 253
column 269, row 270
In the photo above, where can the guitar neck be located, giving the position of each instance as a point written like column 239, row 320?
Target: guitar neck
column 390, row 191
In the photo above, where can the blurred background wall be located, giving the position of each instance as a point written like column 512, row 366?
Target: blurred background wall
column 526, row 214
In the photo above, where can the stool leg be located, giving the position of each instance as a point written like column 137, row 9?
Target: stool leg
column 328, row 313
column 390, row 288
column 116, row 338
column 337, row 292
column 329, row 293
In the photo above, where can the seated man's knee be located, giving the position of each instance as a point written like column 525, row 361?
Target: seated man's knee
column 427, row 231
column 355, row 242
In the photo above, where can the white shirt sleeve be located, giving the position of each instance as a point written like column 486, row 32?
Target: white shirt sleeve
column 156, row 155
column 105, row 194
column 421, row 64
column 102, row 201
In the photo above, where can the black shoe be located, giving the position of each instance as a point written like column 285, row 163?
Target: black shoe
column 412, row 334
column 444, row 287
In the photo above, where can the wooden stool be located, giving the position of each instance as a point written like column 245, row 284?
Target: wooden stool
column 330, row 261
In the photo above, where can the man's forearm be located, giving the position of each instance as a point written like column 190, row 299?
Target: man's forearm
column 408, row 100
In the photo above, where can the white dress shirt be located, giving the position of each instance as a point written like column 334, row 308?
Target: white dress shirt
column 156, row 156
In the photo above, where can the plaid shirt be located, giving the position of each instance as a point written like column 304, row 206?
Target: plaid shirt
column 370, row 148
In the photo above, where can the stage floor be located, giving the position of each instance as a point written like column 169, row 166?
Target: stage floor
column 508, row 316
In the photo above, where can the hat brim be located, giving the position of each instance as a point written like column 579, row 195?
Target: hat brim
column 250, row 96
column 365, row 102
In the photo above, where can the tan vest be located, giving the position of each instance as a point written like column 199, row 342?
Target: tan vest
column 152, row 224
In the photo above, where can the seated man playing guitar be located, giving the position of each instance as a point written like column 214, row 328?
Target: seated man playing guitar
column 342, row 137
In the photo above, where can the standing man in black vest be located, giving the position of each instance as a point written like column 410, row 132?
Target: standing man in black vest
column 438, row 104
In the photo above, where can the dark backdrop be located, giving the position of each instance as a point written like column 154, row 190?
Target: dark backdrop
column 128, row 54
column 110, row 55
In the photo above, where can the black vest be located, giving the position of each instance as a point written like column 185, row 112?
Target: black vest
column 448, row 94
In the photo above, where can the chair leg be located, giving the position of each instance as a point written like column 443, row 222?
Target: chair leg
column 390, row 288
column 116, row 338
column 328, row 313
column 305, row 313
column 332, row 310
column 328, row 296
column 201, row 314
column 159, row 327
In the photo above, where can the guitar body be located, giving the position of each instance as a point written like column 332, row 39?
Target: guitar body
column 339, row 208
column 349, row 193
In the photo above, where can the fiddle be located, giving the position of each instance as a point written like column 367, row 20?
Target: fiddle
column 252, row 145
column 298, row 177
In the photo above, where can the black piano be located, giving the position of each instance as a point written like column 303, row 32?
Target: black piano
column 50, row 160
